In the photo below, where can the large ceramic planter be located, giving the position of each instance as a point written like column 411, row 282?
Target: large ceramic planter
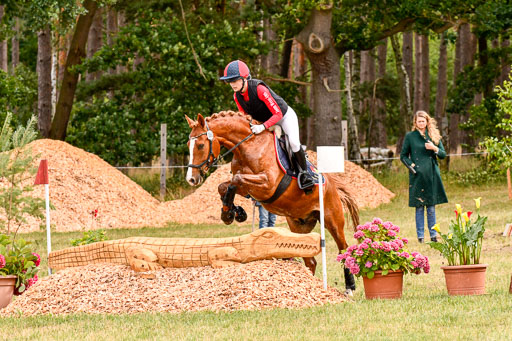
column 389, row 286
column 465, row 279
column 6, row 290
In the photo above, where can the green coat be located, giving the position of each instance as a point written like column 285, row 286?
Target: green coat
column 425, row 187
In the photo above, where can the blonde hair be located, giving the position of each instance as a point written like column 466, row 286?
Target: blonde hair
column 432, row 129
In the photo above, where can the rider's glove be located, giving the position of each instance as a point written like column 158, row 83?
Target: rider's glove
column 256, row 129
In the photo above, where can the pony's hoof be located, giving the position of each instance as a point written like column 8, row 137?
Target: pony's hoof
column 240, row 214
column 348, row 293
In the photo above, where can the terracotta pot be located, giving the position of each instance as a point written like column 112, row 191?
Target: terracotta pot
column 389, row 286
column 6, row 289
column 465, row 279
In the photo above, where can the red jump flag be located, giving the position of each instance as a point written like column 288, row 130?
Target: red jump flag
column 42, row 173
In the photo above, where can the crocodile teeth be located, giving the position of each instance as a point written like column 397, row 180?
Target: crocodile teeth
column 295, row 246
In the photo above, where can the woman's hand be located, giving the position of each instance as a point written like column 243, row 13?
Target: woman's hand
column 431, row 146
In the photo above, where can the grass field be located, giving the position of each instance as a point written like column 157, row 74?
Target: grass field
column 425, row 311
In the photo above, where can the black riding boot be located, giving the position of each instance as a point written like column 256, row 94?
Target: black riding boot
column 304, row 179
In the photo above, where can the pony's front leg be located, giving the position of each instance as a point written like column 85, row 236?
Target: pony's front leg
column 229, row 211
column 257, row 185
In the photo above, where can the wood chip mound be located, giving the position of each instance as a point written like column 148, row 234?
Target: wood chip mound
column 116, row 289
column 81, row 182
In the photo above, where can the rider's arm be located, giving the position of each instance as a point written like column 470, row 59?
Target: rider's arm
column 238, row 105
column 271, row 104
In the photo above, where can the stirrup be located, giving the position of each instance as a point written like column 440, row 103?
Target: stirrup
column 305, row 180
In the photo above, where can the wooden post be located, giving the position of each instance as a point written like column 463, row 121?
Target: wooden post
column 344, row 137
column 163, row 159
column 509, row 184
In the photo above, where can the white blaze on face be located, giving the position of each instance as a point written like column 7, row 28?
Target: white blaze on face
column 190, row 160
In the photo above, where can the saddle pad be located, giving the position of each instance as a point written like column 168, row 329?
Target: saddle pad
column 284, row 162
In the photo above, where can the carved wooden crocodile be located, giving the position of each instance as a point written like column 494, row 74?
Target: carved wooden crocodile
column 145, row 253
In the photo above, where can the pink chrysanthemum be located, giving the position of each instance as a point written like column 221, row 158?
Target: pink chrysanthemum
column 2, row 261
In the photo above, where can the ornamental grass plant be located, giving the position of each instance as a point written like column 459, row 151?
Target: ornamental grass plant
column 462, row 244
column 380, row 248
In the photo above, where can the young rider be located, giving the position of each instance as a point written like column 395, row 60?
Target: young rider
column 257, row 99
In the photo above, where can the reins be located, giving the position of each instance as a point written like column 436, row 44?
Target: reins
column 215, row 160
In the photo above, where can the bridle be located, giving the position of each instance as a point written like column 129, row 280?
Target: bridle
column 211, row 155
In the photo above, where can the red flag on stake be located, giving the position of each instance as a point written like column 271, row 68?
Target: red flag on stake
column 42, row 173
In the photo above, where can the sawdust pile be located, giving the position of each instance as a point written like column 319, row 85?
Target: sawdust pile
column 81, row 182
column 116, row 289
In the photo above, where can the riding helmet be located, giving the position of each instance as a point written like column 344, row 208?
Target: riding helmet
column 236, row 70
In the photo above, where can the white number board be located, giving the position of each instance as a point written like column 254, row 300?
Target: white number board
column 330, row 159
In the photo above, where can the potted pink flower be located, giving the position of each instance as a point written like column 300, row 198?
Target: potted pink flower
column 381, row 258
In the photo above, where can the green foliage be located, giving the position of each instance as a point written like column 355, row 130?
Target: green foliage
column 18, row 93
column 16, row 166
column 119, row 118
column 20, row 261
column 462, row 245
column 89, row 237
column 499, row 147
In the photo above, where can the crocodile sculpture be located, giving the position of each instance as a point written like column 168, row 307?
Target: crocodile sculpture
column 145, row 253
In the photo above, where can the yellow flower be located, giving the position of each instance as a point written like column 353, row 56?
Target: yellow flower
column 450, row 236
column 465, row 216
column 436, row 227
column 459, row 208
column 477, row 202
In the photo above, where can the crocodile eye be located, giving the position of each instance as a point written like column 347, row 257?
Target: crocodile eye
column 200, row 146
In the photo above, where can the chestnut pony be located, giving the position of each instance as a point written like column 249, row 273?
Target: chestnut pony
column 257, row 173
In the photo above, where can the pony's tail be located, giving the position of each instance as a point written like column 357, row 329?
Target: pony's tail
column 348, row 202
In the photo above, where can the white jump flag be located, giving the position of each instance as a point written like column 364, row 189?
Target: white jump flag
column 330, row 159
column 42, row 179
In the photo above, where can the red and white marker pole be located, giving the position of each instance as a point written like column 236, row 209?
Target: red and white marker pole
column 42, row 179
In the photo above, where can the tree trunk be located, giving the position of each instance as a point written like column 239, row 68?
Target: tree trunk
column 3, row 46
column 407, row 51
column 44, row 81
column 317, row 40
column 405, row 95
column 468, row 49
column 69, row 82
column 453, row 126
column 365, row 103
column 95, row 41
column 15, row 48
column 112, row 30
column 299, row 69
column 354, row 149
column 425, row 74
column 422, row 74
column 270, row 61
column 442, row 85
column 379, row 126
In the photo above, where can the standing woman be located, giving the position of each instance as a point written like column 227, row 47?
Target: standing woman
column 421, row 149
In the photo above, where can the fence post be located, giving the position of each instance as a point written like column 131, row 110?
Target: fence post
column 344, row 137
column 163, row 159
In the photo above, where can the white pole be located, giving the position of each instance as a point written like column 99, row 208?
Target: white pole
column 48, row 234
column 322, row 229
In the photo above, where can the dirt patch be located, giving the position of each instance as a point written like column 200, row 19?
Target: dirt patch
column 116, row 289
column 81, row 182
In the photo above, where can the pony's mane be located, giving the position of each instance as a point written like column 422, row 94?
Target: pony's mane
column 229, row 113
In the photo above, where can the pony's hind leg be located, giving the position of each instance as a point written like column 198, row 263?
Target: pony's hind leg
column 304, row 226
column 335, row 223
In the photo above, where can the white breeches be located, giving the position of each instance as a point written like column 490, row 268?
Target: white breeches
column 290, row 125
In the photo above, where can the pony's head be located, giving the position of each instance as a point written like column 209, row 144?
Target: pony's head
column 203, row 148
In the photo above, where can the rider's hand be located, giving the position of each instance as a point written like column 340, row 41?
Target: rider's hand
column 256, row 129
